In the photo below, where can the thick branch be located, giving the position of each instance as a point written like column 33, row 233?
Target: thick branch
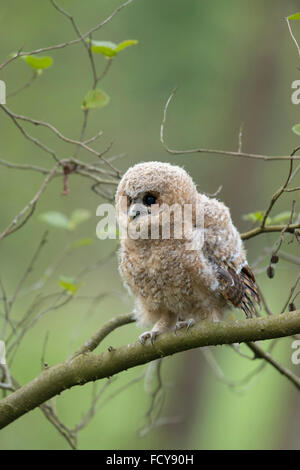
column 90, row 367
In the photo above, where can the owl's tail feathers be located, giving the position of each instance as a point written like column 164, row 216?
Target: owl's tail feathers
column 240, row 289
column 251, row 293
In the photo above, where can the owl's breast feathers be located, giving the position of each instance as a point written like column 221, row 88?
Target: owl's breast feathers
column 240, row 289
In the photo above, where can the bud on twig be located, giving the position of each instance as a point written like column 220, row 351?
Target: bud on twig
column 270, row 272
column 67, row 168
column 274, row 259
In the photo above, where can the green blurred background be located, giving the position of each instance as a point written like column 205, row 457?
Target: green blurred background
column 234, row 63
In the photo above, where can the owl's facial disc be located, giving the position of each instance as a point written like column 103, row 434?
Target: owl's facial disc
column 141, row 205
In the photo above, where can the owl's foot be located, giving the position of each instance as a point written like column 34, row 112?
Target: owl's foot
column 148, row 334
column 184, row 324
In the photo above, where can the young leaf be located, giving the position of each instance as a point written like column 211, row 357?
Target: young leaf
column 256, row 217
column 127, row 43
column 56, row 219
column 296, row 16
column 38, row 63
column 95, row 99
column 77, row 217
column 106, row 48
column 69, row 284
column 296, row 129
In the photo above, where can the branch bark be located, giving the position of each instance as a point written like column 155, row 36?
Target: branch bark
column 89, row 367
column 270, row 229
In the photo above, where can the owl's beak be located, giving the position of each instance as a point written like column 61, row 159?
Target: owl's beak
column 134, row 212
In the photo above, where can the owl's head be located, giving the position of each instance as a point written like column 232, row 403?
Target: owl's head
column 151, row 185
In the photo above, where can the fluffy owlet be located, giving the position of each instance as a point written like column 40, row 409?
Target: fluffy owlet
column 179, row 279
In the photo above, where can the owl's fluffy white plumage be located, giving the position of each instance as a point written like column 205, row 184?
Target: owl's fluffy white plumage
column 169, row 282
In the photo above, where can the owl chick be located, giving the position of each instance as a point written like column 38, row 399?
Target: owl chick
column 178, row 280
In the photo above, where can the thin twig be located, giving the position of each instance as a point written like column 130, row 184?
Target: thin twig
column 105, row 330
column 281, row 190
column 292, row 35
column 29, row 137
column 23, row 87
column 261, row 354
column 17, row 166
column 12, row 227
column 212, row 151
column 67, row 43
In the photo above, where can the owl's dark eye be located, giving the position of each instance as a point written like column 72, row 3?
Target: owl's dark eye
column 149, row 199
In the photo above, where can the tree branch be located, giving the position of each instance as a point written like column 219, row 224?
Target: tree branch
column 89, row 367
column 269, row 229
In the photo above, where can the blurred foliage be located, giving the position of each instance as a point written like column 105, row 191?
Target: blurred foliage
column 57, row 219
column 258, row 216
column 234, row 63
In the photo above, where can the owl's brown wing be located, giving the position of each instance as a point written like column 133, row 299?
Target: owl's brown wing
column 240, row 288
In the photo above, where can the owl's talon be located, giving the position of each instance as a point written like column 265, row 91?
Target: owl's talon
column 153, row 336
column 144, row 336
column 148, row 334
column 184, row 324
column 191, row 323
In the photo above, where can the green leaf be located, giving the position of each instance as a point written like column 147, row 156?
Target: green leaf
column 56, row 219
column 127, row 43
column 256, row 217
column 95, row 99
column 296, row 129
column 296, row 16
column 106, row 48
column 282, row 217
column 69, row 284
column 38, row 63
column 82, row 242
column 77, row 217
